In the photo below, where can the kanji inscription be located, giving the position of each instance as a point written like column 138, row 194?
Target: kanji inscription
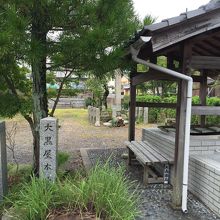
column 48, row 148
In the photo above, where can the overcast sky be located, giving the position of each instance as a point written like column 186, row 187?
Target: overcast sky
column 163, row 9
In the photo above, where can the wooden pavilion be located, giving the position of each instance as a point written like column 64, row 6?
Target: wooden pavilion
column 192, row 40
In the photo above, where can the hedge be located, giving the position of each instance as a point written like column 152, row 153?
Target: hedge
column 158, row 115
column 52, row 93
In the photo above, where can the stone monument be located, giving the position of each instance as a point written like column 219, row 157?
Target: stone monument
column 118, row 90
column 48, row 148
column 146, row 115
column 3, row 162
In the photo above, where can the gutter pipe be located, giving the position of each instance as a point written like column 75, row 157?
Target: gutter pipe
column 189, row 80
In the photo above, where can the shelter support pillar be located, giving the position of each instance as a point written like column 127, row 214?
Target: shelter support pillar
column 202, row 94
column 180, row 128
column 131, row 135
column 179, row 145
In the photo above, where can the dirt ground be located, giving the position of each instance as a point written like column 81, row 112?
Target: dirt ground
column 75, row 132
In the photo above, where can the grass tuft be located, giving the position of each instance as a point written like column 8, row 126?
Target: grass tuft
column 111, row 193
column 105, row 191
column 33, row 200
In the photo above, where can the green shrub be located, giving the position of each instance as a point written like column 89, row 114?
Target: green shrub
column 156, row 115
column 69, row 92
column 89, row 101
column 213, row 101
column 153, row 113
column 125, row 102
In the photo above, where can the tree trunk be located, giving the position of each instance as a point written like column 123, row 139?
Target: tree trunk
column 105, row 96
column 39, row 55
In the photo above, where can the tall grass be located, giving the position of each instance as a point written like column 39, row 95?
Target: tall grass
column 111, row 193
column 33, row 201
column 105, row 191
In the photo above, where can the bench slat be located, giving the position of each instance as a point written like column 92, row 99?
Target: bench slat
column 165, row 155
column 139, row 155
column 152, row 151
column 145, row 152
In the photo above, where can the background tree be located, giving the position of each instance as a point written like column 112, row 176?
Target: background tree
column 78, row 35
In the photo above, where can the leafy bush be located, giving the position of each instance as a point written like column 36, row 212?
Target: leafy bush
column 52, row 93
column 89, row 101
column 125, row 102
column 153, row 113
column 69, row 92
column 156, row 115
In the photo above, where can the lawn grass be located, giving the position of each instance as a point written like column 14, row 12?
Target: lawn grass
column 71, row 113
column 78, row 115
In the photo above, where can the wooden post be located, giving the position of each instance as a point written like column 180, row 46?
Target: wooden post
column 3, row 163
column 180, row 131
column 202, row 95
column 132, row 108
column 179, row 145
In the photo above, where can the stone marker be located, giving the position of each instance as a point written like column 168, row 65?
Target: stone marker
column 114, row 112
column 48, row 148
column 89, row 113
column 136, row 112
column 3, row 162
column 118, row 89
column 145, row 115
column 97, row 117
column 140, row 112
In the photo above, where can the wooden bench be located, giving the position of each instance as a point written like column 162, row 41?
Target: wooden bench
column 150, row 157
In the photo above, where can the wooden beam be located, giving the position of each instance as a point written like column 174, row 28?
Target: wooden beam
column 205, row 110
column 205, row 62
column 131, row 130
column 205, row 36
column 201, row 51
column 196, row 78
column 211, row 46
column 213, row 42
column 131, row 135
column 151, row 75
column 156, row 105
column 207, row 48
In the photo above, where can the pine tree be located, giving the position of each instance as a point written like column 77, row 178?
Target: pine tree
column 78, row 35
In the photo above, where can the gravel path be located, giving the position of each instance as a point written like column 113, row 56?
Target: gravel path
column 155, row 198
column 75, row 132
